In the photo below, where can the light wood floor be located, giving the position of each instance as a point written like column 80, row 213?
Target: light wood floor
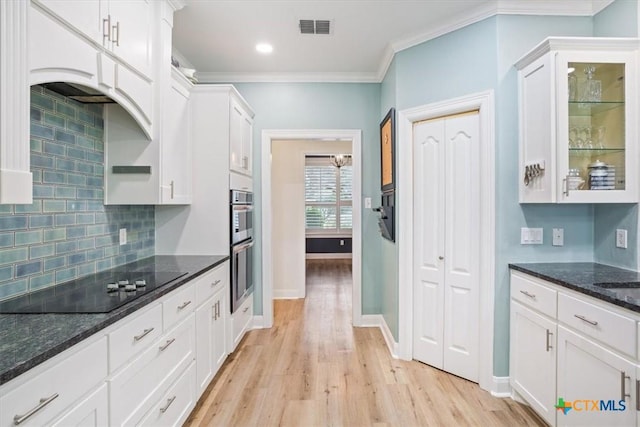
column 313, row 369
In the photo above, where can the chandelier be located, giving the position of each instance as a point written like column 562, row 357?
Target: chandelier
column 340, row 160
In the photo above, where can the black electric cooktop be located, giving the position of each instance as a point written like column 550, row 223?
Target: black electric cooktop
column 102, row 293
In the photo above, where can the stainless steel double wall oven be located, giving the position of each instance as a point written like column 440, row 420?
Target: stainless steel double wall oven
column 241, row 247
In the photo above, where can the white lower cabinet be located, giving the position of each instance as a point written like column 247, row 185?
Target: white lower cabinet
column 240, row 323
column 588, row 375
column 210, row 337
column 533, row 359
column 92, row 411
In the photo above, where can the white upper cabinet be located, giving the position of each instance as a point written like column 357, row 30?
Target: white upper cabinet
column 240, row 138
column 124, row 27
column 15, row 175
column 578, row 121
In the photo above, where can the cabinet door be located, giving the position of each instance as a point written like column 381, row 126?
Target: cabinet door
column 247, row 136
column 219, row 325
column 204, row 345
column 131, row 32
column 85, row 16
column 92, row 411
column 596, row 101
column 176, row 147
column 533, row 359
column 596, row 385
column 235, row 138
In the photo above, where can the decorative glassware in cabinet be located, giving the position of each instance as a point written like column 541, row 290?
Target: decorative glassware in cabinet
column 597, row 124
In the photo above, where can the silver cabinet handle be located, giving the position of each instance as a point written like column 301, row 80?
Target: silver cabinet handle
column 245, row 310
column 245, row 162
column 172, row 189
column 637, row 395
column 216, row 282
column 184, row 304
column 166, row 407
column 143, row 334
column 623, row 391
column 106, row 28
column 532, row 296
column 549, row 346
column 116, row 33
column 164, row 346
column 584, row 319
column 565, row 186
column 440, row 257
column 19, row 419
column 215, row 312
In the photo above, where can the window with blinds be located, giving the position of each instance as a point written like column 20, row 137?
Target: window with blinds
column 328, row 196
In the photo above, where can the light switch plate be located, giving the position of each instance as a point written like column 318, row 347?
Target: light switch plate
column 621, row 238
column 367, row 202
column 558, row 237
column 530, row 236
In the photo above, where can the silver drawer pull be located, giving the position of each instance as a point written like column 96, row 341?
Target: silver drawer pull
column 184, row 304
column 623, row 388
column 216, row 282
column 19, row 419
column 166, row 407
column 532, row 296
column 549, row 346
column 584, row 319
column 143, row 334
column 164, row 346
column 637, row 395
column 245, row 310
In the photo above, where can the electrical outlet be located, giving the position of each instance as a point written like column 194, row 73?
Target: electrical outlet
column 530, row 236
column 341, row 242
column 123, row 236
column 558, row 237
column 621, row 238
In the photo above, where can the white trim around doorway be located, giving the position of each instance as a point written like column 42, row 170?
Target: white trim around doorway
column 484, row 102
column 268, row 135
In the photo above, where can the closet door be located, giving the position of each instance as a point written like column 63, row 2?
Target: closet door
column 446, row 247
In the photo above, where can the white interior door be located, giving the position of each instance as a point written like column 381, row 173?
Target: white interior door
column 446, row 248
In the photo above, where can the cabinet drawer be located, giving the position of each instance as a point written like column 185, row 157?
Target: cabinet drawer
column 134, row 390
column 178, row 305
column 133, row 336
column 534, row 295
column 62, row 384
column 240, row 321
column 208, row 284
column 176, row 404
column 611, row 328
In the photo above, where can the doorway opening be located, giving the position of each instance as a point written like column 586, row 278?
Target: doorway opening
column 290, row 240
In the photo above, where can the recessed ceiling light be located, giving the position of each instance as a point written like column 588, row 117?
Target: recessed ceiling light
column 265, row 48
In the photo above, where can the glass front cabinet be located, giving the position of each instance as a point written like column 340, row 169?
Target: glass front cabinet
column 578, row 105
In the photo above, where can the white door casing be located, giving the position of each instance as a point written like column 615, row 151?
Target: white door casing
column 484, row 102
column 355, row 135
column 446, row 245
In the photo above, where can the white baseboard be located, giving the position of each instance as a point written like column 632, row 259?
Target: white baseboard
column 329, row 256
column 286, row 294
column 377, row 320
column 257, row 322
column 501, row 387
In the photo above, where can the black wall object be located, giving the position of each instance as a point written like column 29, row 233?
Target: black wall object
column 328, row 245
column 386, row 222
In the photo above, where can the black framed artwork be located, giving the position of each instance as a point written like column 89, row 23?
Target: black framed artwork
column 387, row 151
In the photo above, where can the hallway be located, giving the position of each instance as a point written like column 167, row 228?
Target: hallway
column 313, row 368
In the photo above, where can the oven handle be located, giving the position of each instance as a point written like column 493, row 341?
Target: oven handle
column 240, row 248
column 245, row 208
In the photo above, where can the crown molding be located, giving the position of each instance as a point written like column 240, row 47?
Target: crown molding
column 387, row 59
column 328, row 77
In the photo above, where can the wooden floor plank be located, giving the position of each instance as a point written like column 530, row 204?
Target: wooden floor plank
column 312, row 368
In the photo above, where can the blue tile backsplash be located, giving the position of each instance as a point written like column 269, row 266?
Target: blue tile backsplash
column 67, row 232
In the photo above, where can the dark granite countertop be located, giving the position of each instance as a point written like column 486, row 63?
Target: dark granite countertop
column 26, row 340
column 597, row 280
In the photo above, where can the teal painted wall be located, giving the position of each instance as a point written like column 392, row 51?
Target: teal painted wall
column 619, row 19
column 67, row 232
column 324, row 106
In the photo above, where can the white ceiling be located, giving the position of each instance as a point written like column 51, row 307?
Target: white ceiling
column 218, row 37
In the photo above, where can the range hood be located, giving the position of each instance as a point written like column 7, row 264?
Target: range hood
column 80, row 93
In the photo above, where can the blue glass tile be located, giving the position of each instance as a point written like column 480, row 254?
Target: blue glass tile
column 65, row 192
column 95, row 181
column 6, row 273
column 76, row 205
column 76, row 153
column 77, row 258
column 52, row 119
column 44, row 281
column 101, row 217
column 86, row 269
column 85, row 167
column 112, row 251
column 41, row 131
column 76, row 179
column 104, row 264
column 75, row 126
column 13, row 222
column 53, row 148
column 65, row 165
column 35, row 145
column 28, row 237
column 54, row 177
column 84, row 244
column 28, row 269
column 95, row 132
column 35, row 207
column 107, row 240
column 8, row 256
column 86, row 117
column 65, row 109
column 53, row 205
column 75, row 232
column 53, row 263
column 43, row 191
column 66, row 247
column 42, row 251
column 65, row 219
column 6, row 240
column 95, row 254
column 65, row 137
column 36, row 221
column 95, row 156
column 84, row 218
column 41, row 161
column 84, row 142
column 66, row 274
column 95, row 205
column 13, row 288
column 41, row 101
column 95, row 230
column 87, row 193
column 54, row 234
column 35, row 114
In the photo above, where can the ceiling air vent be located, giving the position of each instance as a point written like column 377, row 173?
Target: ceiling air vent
column 318, row 26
